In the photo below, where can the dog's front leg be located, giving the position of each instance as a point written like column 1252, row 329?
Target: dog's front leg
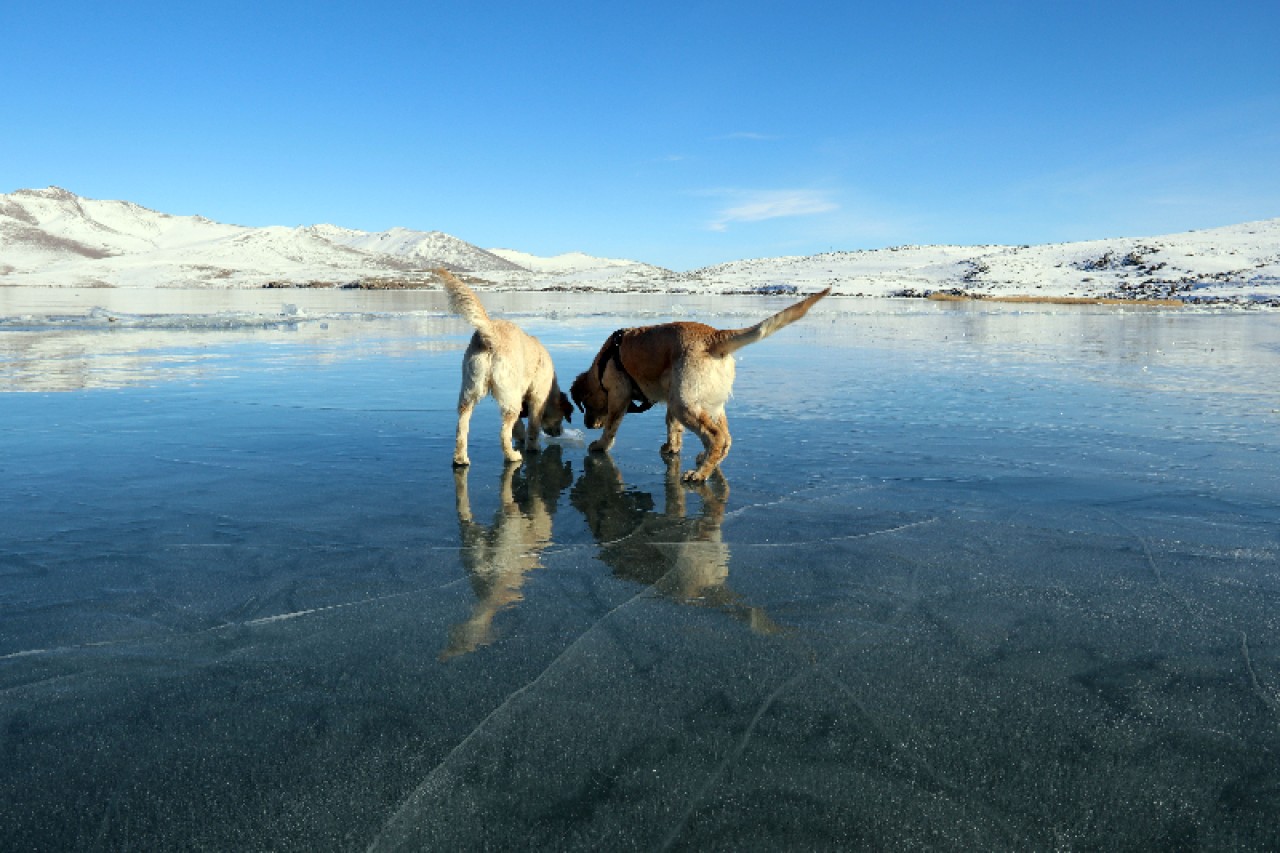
column 530, row 434
column 611, row 423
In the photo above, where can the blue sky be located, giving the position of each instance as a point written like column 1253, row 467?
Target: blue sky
column 682, row 134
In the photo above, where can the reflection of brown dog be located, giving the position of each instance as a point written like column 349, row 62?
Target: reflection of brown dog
column 683, row 558
column 498, row 556
column 689, row 366
column 512, row 365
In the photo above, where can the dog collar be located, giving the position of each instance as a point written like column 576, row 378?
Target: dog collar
column 637, row 401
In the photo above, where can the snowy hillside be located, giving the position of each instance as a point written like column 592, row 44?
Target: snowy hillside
column 43, row 226
column 54, row 238
column 1237, row 263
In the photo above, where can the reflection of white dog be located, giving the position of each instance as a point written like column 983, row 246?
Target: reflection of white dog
column 683, row 558
column 498, row 556
column 512, row 365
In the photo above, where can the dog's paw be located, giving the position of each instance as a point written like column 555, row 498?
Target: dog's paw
column 598, row 446
column 694, row 476
column 461, row 462
column 514, row 458
column 667, row 450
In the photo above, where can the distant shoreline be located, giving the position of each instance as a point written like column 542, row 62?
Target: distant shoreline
column 1057, row 300
column 1266, row 302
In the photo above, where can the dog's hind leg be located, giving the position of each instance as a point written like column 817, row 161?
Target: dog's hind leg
column 509, row 418
column 475, row 384
column 462, row 497
column 675, row 435
column 714, row 432
column 465, row 406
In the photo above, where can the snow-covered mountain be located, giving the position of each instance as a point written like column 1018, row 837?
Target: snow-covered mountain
column 52, row 237
column 570, row 262
column 422, row 249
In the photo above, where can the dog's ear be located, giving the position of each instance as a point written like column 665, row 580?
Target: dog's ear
column 566, row 407
column 578, row 391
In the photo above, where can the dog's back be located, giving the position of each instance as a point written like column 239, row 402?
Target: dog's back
column 653, row 350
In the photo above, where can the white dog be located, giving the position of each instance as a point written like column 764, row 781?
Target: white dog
column 512, row 365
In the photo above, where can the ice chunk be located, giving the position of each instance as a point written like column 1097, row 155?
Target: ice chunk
column 570, row 436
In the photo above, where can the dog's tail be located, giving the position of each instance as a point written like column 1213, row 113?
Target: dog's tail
column 464, row 302
column 728, row 341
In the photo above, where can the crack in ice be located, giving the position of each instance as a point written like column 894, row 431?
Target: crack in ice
column 1272, row 703
column 403, row 813
column 714, row 777
column 225, row 626
column 851, row 536
column 1260, row 690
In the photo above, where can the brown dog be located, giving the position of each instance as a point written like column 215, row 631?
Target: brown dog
column 682, row 555
column 689, row 366
column 512, row 365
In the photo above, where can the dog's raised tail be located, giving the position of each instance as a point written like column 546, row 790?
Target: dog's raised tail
column 732, row 340
column 464, row 302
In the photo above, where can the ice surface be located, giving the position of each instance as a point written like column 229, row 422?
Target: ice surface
column 975, row 577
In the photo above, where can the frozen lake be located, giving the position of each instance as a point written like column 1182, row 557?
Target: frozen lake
column 976, row 577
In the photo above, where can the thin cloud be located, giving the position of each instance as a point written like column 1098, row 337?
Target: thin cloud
column 759, row 206
column 751, row 135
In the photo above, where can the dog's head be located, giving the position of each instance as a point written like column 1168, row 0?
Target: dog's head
column 557, row 410
column 589, row 394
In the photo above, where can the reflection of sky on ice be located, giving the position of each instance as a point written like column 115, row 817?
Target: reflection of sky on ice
column 991, row 579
